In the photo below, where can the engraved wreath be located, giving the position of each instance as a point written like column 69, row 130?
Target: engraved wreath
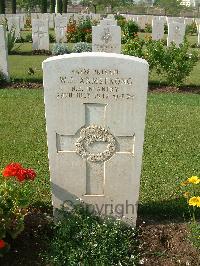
column 90, row 135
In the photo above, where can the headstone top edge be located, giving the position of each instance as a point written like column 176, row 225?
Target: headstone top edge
column 93, row 55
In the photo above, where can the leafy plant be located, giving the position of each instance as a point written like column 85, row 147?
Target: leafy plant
column 148, row 28
column 11, row 40
column 81, row 47
column 81, row 238
column 191, row 29
column 51, row 38
column 59, row 49
column 28, row 37
column 14, row 200
column 134, row 47
column 2, row 78
column 178, row 63
column 191, row 193
column 173, row 63
column 131, row 29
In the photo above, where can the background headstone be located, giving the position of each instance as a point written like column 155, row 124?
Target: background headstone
column 106, row 37
column 60, row 28
column 198, row 30
column 95, row 105
column 3, row 53
column 40, row 34
column 176, row 33
column 157, row 28
column 14, row 24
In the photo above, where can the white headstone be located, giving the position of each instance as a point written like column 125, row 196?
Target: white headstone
column 142, row 21
column 14, row 25
column 188, row 21
column 175, row 19
column 198, row 29
column 60, row 28
column 22, row 20
column 157, row 28
column 95, row 105
column 40, row 34
column 3, row 53
column 176, row 33
column 106, row 37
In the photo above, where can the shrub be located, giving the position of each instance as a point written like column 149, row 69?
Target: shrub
column 84, row 239
column 178, row 64
column 81, row 47
column 59, row 49
column 84, row 29
column 2, row 78
column 165, row 28
column 148, row 28
column 134, row 47
column 11, row 40
column 72, row 31
column 121, row 21
column 28, row 37
column 174, row 63
column 131, row 29
column 15, row 197
column 51, row 38
column 191, row 29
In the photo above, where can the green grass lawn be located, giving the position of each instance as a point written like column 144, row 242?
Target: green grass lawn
column 171, row 149
column 19, row 64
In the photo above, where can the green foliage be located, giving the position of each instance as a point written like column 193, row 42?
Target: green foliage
column 84, row 31
column 13, row 5
column 148, row 28
column 171, row 7
column 2, row 7
column 2, row 79
column 51, row 38
column 80, row 31
column 194, row 233
column 43, row 6
column 52, row 6
column 59, row 49
column 134, row 47
column 191, row 29
column 11, row 40
column 27, row 37
column 81, row 47
column 131, row 28
column 14, row 199
column 65, row 5
column 84, row 239
column 59, row 6
column 28, row 4
column 174, row 63
column 178, row 64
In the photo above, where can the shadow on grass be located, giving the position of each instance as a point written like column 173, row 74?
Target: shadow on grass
column 174, row 210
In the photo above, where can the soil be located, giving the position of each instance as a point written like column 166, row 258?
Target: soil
column 166, row 244
column 161, row 243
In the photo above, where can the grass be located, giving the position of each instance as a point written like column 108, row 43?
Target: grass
column 171, row 149
column 19, row 64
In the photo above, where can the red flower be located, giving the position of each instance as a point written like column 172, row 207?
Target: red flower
column 26, row 174
column 30, row 174
column 15, row 169
column 11, row 169
column 2, row 243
